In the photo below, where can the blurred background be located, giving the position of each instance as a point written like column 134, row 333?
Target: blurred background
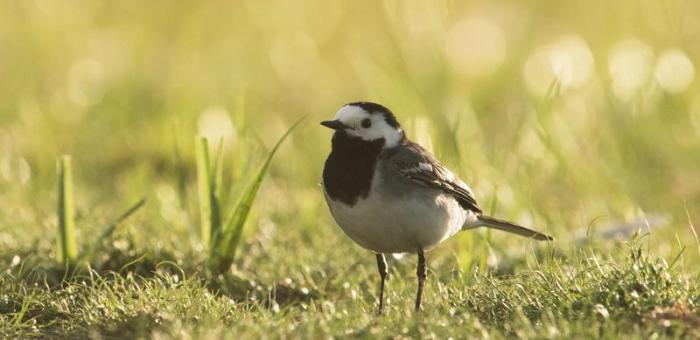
column 563, row 115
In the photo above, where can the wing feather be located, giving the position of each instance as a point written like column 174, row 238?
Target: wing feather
column 416, row 164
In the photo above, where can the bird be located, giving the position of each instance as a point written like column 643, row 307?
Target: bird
column 391, row 196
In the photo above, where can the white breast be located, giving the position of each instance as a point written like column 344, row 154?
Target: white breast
column 400, row 221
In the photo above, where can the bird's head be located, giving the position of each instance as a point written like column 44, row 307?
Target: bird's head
column 367, row 121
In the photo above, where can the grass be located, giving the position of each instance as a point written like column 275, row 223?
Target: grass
column 66, row 250
column 583, row 296
column 564, row 145
column 221, row 238
column 209, row 182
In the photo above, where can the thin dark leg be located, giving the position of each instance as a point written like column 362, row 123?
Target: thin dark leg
column 381, row 266
column 422, row 273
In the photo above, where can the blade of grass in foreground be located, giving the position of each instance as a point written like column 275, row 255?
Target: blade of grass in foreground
column 66, row 250
column 225, row 250
column 216, row 176
column 209, row 183
column 204, row 189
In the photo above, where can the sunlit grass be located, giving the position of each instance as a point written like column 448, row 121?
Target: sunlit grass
column 66, row 244
column 66, row 248
column 221, row 237
column 209, row 183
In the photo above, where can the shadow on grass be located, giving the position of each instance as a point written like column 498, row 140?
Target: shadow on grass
column 282, row 293
column 127, row 294
column 31, row 269
column 139, row 326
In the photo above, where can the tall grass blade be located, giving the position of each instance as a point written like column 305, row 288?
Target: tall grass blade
column 225, row 251
column 66, row 250
column 216, row 177
column 204, row 189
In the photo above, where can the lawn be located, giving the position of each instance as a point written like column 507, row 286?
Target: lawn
column 578, row 118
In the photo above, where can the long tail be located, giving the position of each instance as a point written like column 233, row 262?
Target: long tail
column 499, row 224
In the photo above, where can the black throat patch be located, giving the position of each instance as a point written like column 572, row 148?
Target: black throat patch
column 348, row 172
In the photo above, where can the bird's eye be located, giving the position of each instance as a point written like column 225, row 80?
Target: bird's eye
column 366, row 123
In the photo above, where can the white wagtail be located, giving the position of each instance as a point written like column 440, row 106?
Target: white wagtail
column 390, row 195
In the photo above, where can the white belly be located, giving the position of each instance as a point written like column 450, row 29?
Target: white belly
column 391, row 222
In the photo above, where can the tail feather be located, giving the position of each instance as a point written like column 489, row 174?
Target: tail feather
column 504, row 225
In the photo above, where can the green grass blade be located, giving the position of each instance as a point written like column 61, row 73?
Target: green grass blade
column 215, row 186
column 218, row 169
column 226, row 249
column 204, row 188
column 66, row 250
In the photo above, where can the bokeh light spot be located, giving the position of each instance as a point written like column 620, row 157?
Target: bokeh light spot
column 215, row 124
column 674, row 71
column 567, row 61
column 629, row 65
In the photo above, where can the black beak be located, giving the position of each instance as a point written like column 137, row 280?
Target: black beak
column 334, row 124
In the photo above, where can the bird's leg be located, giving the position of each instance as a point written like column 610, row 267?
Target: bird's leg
column 381, row 266
column 422, row 273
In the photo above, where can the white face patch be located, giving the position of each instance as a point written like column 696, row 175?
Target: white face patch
column 353, row 117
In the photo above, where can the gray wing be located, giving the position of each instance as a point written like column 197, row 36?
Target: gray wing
column 416, row 164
